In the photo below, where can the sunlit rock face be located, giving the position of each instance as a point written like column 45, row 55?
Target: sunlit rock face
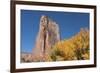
column 47, row 36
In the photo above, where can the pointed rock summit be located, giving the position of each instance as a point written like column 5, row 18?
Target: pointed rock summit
column 47, row 36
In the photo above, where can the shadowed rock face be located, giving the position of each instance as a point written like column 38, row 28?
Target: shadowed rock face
column 47, row 36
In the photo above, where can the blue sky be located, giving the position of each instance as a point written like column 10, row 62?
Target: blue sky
column 69, row 25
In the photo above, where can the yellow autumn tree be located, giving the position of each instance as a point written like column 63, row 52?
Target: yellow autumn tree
column 75, row 48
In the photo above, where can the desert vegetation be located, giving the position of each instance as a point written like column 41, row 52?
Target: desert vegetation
column 74, row 48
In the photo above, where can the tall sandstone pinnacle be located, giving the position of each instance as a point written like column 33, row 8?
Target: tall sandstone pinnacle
column 47, row 36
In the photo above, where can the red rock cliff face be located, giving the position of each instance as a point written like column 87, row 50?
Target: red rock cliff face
column 47, row 36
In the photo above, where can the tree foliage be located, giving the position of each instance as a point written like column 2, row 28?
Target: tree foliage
column 74, row 48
